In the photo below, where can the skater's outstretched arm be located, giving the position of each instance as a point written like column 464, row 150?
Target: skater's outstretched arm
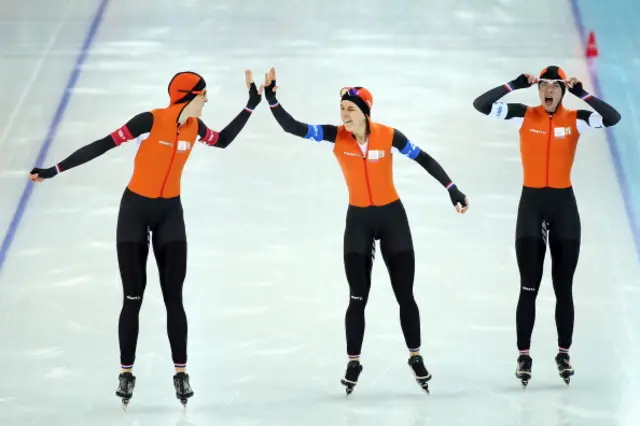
column 322, row 132
column 604, row 116
column 138, row 125
column 227, row 135
column 488, row 104
column 407, row 148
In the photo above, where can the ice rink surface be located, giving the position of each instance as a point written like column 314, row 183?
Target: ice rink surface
column 265, row 292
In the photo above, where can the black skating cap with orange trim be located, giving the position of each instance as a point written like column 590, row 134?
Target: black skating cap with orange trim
column 185, row 86
column 359, row 96
column 554, row 72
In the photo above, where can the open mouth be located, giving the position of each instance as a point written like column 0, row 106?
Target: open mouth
column 548, row 100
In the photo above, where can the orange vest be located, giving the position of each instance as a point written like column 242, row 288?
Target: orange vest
column 369, row 176
column 161, row 157
column 548, row 147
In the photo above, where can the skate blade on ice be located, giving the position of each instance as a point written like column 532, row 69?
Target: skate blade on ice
column 184, row 398
column 348, row 386
column 566, row 376
column 125, row 404
column 524, row 378
column 424, row 384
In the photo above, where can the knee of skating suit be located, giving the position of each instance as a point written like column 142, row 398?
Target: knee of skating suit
column 358, row 271
column 170, row 250
column 172, row 266
column 565, row 251
column 530, row 253
column 564, row 259
column 132, row 260
column 396, row 246
column 401, row 268
column 564, row 244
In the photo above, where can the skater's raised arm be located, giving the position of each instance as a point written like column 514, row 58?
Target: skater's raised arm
column 138, row 125
column 227, row 135
column 407, row 148
column 604, row 116
column 488, row 104
column 321, row 132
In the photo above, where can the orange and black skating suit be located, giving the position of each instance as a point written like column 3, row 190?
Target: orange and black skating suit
column 547, row 212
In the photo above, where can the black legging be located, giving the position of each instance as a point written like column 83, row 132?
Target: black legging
column 161, row 219
column 388, row 224
column 541, row 213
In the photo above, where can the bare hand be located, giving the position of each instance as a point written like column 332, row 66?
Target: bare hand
column 532, row 79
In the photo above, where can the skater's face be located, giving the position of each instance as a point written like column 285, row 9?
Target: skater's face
column 352, row 117
column 197, row 104
column 550, row 94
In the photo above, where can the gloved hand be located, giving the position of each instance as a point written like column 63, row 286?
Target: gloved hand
column 270, row 86
column 576, row 88
column 523, row 81
column 458, row 199
column 255, row 94
column 38, row 175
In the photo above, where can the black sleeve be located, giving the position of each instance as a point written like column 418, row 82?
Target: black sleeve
column 289, row 124
column 202, row 129
column 409, row 149
column 484, row 103
column 138, row 125
column 584, row 115
column 227, row 135
column 610, row 116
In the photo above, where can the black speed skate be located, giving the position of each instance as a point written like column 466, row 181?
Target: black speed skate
column 183, row 388
column 523, row 371
column 564, row 367
column 125, row 388
column 354, row 368
column 420, row 372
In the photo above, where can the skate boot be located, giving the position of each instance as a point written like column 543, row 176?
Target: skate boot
column 564, row 366
column 523, row 371
column 183, row 388
column 354, row 368
column 420, row 372
column 125, row 388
